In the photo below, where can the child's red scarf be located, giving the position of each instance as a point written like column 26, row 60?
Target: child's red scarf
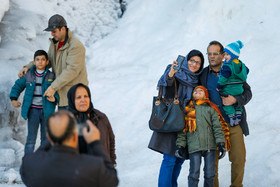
column 191, row 121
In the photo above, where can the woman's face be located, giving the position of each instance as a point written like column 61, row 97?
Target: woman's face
column 194, row 63
column 82, row 100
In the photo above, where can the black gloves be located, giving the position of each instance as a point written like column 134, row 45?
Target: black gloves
column 180, row 152
column 222, row 150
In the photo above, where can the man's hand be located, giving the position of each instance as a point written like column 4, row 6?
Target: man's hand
column 51, row 98
column 49, row 92
column 229, row 100
column 91, row 133
column 16, row 103
column 22, row 72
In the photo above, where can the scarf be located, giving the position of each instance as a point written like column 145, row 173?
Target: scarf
column 191, row 120
column 186, row 78
column 81, row 116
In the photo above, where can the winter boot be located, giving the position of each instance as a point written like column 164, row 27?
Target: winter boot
column 238, row 117
column 232, row 120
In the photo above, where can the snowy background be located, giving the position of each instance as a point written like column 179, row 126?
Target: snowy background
column 125, row 58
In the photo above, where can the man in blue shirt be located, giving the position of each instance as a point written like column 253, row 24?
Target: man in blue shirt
column 209, row 79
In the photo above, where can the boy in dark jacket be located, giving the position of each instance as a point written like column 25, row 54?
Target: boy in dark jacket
column 233, row 74
column 35, row 107
column 202, row 134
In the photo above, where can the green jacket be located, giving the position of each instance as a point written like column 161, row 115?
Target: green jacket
column 68, row 64
column 234, row 71
column 208, row 131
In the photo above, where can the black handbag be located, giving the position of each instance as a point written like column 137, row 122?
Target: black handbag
column 167, row 114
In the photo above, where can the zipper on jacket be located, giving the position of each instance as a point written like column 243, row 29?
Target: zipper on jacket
column 208, row 134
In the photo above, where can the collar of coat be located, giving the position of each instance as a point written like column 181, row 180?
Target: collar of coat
column 66, row 41
column 33, row 69
column 62, row 148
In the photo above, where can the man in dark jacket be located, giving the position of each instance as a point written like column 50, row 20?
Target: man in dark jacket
column 209, row 79
column 61, row 164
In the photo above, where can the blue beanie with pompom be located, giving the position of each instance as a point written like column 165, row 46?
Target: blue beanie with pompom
column 233, row 49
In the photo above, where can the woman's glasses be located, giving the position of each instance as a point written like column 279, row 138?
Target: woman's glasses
column 194, row 62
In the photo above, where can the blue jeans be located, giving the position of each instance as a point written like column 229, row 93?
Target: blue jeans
column 209, row 168
column 169, row 171
column 35, row 117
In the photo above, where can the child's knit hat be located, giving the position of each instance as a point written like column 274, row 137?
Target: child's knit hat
column 233, row 49
column 203, row 88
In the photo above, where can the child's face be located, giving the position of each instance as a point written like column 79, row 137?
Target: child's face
column 198, row 94
column 40, row 62
column 227, row 57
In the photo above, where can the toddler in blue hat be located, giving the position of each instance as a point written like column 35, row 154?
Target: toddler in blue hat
column 232, row 75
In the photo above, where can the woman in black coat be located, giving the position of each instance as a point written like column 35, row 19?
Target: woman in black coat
column 79, row 101
column 187, row 78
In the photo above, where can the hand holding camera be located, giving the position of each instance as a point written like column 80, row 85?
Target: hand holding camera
column 176, row 65
column 90, row 132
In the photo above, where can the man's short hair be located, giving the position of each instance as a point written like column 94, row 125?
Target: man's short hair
column 69, row 129
column 40, row 53
column 214, row 42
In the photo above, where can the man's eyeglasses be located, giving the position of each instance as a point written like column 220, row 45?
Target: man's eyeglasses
column 215, row 54
column 194, row 62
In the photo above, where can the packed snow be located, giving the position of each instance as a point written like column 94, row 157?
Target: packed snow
column 125, row 58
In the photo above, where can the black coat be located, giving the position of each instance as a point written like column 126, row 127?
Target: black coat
column 242, row 99
column 64, row 166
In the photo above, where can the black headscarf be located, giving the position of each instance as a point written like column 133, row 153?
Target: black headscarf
column 81, row 116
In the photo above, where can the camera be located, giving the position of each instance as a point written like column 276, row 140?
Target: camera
column 81, row 126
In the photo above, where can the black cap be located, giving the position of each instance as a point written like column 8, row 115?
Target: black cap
column 56, row 21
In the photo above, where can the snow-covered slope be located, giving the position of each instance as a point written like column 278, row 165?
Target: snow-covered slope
column 21, row 32
column 125, row 66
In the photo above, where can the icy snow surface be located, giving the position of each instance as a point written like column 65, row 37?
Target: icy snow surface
column 125, row 59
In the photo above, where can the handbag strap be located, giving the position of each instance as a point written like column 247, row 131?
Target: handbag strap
column 160, row 91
